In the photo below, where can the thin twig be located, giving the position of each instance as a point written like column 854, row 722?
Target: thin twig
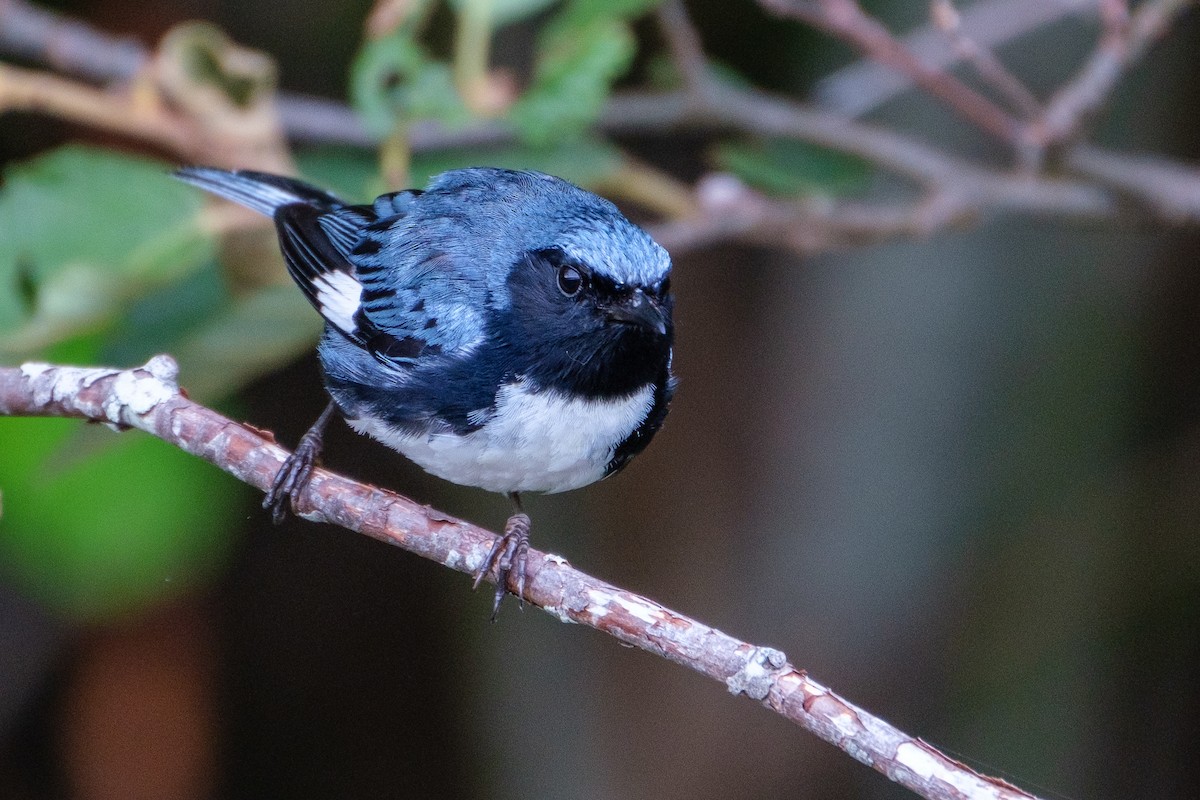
column 863, row 87
column 1124, row 40
column 1106, row 186
column 683, row 41
column 846, row 20
column 72, row 47
column 149, row 399
column 1170, row 190
column 947, row 18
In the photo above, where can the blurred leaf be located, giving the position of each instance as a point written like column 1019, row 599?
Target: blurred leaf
column 586, row 161
column 209, row 72
column 157, row 322
column 83, row 230
column 257, row 333
column 579, row 14
column 580, row 52
column 393, row 79
column 130, row 524
column 787, row 167
column 351, row 173
column 354, row 174
column 505, row 12
column 575, row 70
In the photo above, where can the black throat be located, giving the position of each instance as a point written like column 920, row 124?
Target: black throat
column 569, row 344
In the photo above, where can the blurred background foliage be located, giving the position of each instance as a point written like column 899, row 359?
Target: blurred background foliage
column 956, row 478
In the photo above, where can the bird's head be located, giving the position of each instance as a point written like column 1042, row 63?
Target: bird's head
column 586, row 296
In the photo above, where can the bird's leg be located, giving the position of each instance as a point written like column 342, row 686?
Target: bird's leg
column 509, row 554
column 296, row 470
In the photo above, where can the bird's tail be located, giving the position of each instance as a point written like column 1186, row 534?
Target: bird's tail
column 259, row 191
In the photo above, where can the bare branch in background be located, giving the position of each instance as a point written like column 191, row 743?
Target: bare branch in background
column 1124, row 40
column 683, row 42
column 1096, row 185
column 149, row 399
column 846, row 20
column 865, row 86
column 1170, row 189
column 74, row 48
column 947, row 18
column 113, row 111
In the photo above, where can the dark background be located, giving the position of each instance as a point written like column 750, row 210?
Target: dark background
column 956, row 479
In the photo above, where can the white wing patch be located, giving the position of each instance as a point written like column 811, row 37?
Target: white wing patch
column 338, row 296
column 536, row 441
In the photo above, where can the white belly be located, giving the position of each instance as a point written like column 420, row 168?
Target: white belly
column 533, row 442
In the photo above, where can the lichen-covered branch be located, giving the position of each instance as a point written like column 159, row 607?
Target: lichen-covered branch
column 149, row 399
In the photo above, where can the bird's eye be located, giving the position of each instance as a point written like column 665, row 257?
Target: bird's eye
column 570, row 280
column 664, row 288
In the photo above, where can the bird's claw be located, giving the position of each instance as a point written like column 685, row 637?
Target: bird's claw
column 293, row 476
column 509, row 555
column 291, row 479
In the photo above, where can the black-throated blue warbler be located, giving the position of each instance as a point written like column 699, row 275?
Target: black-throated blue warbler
column 502, row 329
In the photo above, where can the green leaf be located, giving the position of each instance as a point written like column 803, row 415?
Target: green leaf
column 506, row 12
column 351, row 173
column 579, row 14
column 126, row 526
column 786, row 167
column 394, row 80
column 253, row 335
column 157, row 322
column 81, row 232
column 585, row 161
column 574, row 72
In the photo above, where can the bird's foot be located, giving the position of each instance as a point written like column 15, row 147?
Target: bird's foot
column 289, row 482
column 509, row 555
column 293, row 476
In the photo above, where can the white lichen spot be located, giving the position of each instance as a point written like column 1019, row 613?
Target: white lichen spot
column 458, row 561
column 758, row 673
column 556, row 560
column 62, row 384
column 638, row 610
column 89, row 376
column 164, row 368
column 846, row 723
column 473, row 561
column 858, row 752
column 32, row 369
column 140, row 394
column 597, row 604
column 559, row 613
column 926, row 765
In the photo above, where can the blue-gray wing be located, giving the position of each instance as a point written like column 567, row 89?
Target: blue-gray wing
column 416, row 283
column 371, row 274
column 317, row 246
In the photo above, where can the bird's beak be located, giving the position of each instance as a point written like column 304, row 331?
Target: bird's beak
column 638, row 309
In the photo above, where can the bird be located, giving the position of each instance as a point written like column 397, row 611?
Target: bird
column 502, row 329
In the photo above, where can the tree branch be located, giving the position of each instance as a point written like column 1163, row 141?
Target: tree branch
column 119, row 113
column 149, row 399
column 864, row 86
column 1098, row 186
column 947, row 18
column 846, row 20
column 1124, row 40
